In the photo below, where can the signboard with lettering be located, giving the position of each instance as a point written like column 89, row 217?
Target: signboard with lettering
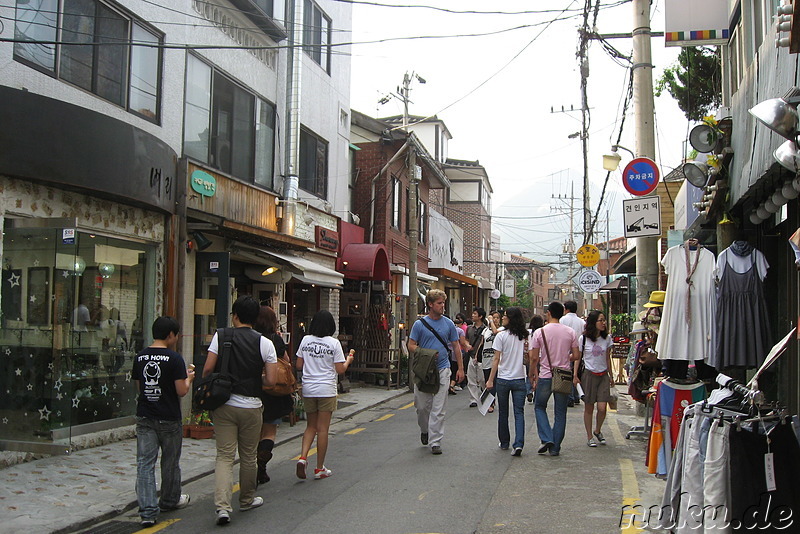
column 588, row 255
column 642, row 217
column 327, row 239
column 590, row 281
column 640, row 176
column 203, row 183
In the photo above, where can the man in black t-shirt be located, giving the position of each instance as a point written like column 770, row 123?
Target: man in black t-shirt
column 161, row 378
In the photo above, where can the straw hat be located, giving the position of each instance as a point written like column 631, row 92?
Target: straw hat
column 656, row 299
column 638, row 328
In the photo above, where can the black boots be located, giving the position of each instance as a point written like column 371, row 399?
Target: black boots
column 264, row 456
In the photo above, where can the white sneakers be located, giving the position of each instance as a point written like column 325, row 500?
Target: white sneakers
column 257, row 501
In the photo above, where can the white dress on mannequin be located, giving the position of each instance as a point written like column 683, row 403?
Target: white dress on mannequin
column 680, row 337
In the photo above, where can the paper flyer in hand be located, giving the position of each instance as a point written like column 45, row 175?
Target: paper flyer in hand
column 487, row 399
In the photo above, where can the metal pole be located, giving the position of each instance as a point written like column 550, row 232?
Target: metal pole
column 646, row 247
column 413, row 232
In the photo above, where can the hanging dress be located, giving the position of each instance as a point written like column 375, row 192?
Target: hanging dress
column 687, row 319
column 743, row 337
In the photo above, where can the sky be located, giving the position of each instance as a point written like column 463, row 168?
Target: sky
column 495, row 95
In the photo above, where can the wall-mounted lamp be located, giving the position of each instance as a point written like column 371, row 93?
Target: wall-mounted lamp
column 269, row 270
column 401, row 325
column 611, row 161
column 201, row 242
column 308, row 219
column 345, row 264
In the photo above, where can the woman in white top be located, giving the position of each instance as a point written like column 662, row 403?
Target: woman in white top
column 322, row 360
column 597, row 380
column 509, row 372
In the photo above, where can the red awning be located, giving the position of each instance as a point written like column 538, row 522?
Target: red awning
column 364, row 261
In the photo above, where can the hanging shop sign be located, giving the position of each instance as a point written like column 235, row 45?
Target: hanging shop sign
column 590, row 281
column 203, row 183
column 641, row 176
column 642, row 217
column 326, row 238
column 697, row 23
column 588, row 255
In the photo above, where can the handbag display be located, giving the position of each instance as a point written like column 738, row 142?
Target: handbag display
column 562, row 378
column 285, row 382
column 214, row 390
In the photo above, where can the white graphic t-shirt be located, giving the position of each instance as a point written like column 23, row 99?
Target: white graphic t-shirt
column 594, row 353
column 319, row 372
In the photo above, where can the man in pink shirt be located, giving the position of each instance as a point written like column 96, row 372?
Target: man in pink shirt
column 563, row 348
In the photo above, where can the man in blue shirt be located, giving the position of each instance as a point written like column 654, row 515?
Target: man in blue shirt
column 430, row 406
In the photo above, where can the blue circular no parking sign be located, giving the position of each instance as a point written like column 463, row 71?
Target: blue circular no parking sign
column 640, row 176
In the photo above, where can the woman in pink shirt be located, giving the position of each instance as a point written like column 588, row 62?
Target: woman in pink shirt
column 563, row 348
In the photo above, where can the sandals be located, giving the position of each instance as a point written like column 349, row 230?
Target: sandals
column 301, row 468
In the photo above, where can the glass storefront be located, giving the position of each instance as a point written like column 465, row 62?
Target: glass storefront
column 76, row 308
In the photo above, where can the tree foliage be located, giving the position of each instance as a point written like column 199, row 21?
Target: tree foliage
column 694, row 81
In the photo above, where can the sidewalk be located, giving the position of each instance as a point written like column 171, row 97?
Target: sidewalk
column 66, row 493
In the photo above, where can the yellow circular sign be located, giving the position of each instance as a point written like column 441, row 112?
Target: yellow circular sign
column 588, row 255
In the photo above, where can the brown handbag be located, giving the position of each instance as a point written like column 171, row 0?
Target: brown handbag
column 285, row 382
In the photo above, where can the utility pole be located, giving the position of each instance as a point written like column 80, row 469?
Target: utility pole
column 413, row 231
column 646, row 247
column 569, row 247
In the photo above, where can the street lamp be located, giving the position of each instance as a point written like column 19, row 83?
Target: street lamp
column 611, row 161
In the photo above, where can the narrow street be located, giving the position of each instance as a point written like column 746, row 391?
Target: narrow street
column 386, row 481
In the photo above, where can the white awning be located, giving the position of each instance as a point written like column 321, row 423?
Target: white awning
column 302, row 269
column 420, row 276
column 311, row 273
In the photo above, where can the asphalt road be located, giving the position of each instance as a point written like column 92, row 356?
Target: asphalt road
column 385, row 481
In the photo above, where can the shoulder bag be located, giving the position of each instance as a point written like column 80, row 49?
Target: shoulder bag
column 285, row 379
column 562, row 378
column 214, row 390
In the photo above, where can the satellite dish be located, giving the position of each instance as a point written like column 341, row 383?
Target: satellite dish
column 704, row 138
column 495, row 294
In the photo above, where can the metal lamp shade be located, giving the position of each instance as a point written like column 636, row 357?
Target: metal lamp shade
column 696, row 173
column 787, row 155
column 778, row 116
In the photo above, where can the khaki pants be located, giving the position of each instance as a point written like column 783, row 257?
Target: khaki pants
column 430, row 409
column 475, row 380
column 235, row 428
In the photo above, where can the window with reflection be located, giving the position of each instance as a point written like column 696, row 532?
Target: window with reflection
column 74, row 313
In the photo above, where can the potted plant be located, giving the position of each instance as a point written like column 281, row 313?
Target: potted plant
column 199, row 426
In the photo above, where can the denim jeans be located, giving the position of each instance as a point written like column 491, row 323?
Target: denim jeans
column 548, row 434
column 152, row 435
column 518, row 390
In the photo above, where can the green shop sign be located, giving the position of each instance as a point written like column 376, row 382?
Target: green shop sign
column 204, row 183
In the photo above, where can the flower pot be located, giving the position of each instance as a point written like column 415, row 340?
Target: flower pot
column 200, row 431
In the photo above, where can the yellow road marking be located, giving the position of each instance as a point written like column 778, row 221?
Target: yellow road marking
column 630, row 497
column 235, row 488
column 161, row 525
column 311, row 453
column 385, row 417
column 355, row 431
column 407, row 406
column 615, row 431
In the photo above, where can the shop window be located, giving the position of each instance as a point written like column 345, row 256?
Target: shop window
column 116, row 70
column 317, row 35
column 74, row 313
column 313, row 175
column 227, row 127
